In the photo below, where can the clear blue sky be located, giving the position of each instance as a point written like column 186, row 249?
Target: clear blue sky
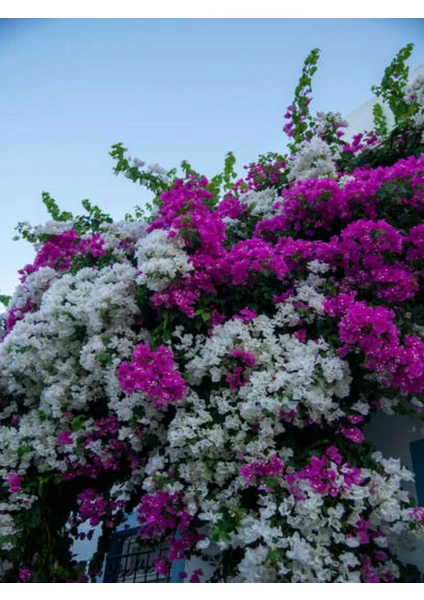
column 169, row 90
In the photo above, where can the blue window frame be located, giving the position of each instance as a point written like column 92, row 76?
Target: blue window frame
column 130, row 562
column 417, row 455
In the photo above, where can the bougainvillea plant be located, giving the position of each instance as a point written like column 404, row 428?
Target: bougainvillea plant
column 211, row 366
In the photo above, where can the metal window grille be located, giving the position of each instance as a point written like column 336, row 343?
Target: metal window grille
column 130, row 562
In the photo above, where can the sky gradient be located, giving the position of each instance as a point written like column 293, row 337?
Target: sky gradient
column 169, row 90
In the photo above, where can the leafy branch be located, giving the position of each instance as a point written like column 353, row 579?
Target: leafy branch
column 392, row 86
column 300, row 126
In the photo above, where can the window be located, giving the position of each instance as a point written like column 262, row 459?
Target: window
column 129, row 562
column 417, row 455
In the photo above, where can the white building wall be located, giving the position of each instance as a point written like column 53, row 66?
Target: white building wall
column 361, row 119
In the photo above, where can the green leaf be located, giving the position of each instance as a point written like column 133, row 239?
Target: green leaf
column 5, row 299
column 24, row 450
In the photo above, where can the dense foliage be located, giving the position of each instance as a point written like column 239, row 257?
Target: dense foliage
column 211, row 366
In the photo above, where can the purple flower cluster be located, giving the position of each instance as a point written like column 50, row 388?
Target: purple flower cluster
column 183, row 199
column 99, row 450
column 361, row 141
column 250, row 257
column 327, row 476
column 15, row 482
column 16, row 314
column 186, row 293
column 95, row 508
column 56, row 253
column 321, row 205
column 238, row 376
column 374, row 332
column 270, row 171
column 93, row 245
column 155, row 374
column 260, row 469
column 158, row 514
column 59, row 251
column 92, row 507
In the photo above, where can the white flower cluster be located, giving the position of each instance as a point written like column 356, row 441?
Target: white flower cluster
column 161, row 259
column 324, row 120
column 155, row 169
column 414, row 94
column 54, row 358
column 313, row 160
column 260, row 202
column 32, row 290
column 48, row 228
column 53, row 227
column 288, row 375
column 306, row 554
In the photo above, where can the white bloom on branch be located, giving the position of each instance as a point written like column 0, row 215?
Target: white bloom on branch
column 161, row 260
column 314, row 160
